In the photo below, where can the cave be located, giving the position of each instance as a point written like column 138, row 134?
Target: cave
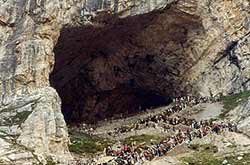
column 118, row 67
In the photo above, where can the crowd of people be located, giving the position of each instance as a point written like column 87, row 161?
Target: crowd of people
column 181, row 130
column 178, row 105
column 135, row 155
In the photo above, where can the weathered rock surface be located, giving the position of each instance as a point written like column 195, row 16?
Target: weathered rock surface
column 241, row 115
column 30, row 112
column 198, row 46
column 33, row 125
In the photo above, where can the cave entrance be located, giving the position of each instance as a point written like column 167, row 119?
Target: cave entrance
column 118, row 67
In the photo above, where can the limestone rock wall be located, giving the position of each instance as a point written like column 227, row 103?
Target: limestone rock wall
column 125, row 7
column 223, row 66
column 190, row 46
column 215, row 53
column 241, row 116
column 30, row 113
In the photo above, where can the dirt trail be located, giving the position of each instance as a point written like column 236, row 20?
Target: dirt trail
column 225, row 142
column 105, row 126
column 207, row 111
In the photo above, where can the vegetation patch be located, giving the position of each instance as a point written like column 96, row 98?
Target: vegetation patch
column 86, row 144
column 143, row 139
column 232, row 101
column 204, row 147
column 202, row 158
column 206, row 154
column 238, row 159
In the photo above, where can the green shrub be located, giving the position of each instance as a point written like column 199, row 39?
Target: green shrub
column 232, row 101
column 204, row 147
column 233, row 159
column 202, row 158
column 85, row 144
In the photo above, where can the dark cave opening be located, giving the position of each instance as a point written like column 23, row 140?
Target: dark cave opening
column 118, row 67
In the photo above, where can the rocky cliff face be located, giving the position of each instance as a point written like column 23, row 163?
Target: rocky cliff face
column 30, row 110
column 163, row 47
column 186, row 47
column 241, row 115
